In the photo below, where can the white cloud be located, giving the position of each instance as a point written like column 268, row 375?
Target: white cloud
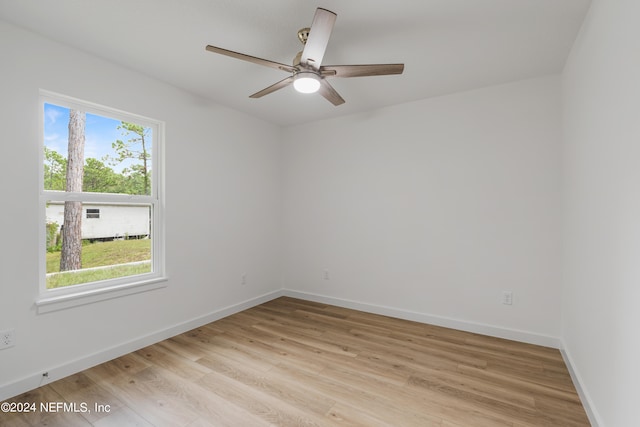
column 52, row 115
column 55, row 142
column 91, row 149
column 52, row 137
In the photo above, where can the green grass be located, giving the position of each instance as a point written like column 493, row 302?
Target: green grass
column 69, row 278
column 101, row 254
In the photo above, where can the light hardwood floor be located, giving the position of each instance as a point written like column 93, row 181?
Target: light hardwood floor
column 290, row 362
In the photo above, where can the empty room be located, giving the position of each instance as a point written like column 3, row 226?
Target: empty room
column 287, row 213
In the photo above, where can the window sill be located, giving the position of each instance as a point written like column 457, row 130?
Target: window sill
column 48, row 303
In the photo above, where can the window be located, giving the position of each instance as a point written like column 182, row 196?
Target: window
column 93, row 213
column 106, row 164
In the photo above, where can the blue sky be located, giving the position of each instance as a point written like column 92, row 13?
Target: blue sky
column 100, row 132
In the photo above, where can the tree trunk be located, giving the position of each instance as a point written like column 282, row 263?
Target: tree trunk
column 147, row 190
column 70, row 258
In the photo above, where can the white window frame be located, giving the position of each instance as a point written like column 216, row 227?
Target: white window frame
column 74, row 295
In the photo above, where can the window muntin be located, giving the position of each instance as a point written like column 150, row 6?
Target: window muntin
column 121, row 231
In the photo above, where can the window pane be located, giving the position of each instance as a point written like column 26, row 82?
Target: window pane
column 114, row 243
column 93, row 213
column 116, row 155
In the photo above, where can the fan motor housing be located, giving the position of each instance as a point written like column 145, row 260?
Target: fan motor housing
column 303, row 35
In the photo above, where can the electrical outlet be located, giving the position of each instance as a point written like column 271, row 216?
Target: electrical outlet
column 7, row 338
column 325, row 275
column 243, row 279
column 507, row 297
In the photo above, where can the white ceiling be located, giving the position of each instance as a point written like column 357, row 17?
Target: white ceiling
column 446, row 45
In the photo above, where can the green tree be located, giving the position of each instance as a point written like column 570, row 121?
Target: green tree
column 100, row 178
column 55, row 170
column 138, row 148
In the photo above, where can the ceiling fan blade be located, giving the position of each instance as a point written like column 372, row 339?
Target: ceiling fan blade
column 361, row 70
column 249, row 58
column 330, row 93
column 318, row 39
column 274, row 87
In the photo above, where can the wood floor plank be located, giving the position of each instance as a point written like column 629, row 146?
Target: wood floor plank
column 253, row 398
column 55, row 417
column 348, row 416
column 290, row 362
column 81, row 388
column 185, row 368
column 122, row 417
column 361, row 397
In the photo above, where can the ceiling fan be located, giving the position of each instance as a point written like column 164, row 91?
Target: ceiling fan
column 308, row 75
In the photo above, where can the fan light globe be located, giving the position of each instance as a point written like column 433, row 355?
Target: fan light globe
column 306, row 82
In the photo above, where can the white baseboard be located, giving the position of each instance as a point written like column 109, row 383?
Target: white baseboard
column 594, row 417
column 57, row 372
column 462, row 325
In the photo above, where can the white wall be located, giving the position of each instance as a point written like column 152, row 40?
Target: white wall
column 434, row 208
column 223, row 212
column 601, row 308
